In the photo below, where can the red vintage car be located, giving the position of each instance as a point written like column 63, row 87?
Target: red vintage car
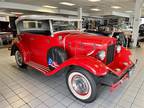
column 53, row 45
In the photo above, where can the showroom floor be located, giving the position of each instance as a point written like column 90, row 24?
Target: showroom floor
column 31, row 89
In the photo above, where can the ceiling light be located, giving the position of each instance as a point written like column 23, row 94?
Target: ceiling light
column 67, row 3
column 115, row 7
column 47, row 6
column 19, row 13
column 95, row 9
column 129, row 11
column 46, row 10
column 94, row 0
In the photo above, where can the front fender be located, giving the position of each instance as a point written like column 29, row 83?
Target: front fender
column 122, row 63
column 124, row 55
column 91, row 64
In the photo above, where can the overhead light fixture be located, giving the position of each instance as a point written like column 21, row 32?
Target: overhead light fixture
column 129, row 11
column 95, row 9
column 18, row 13
column 94, row 0
column 46, row 10
column 116, row 7
column 48, row 6
column 67, row 3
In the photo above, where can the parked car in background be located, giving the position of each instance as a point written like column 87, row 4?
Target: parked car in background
column 6, row 38
column 5, row 33
column 121, row 38
column 141, row 33
column 87, row 59
column 4, row 26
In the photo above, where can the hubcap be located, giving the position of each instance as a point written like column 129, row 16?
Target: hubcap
column 80, row 85
column 18, row 58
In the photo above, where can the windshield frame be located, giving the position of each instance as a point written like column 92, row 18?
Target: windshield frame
column 74, row 28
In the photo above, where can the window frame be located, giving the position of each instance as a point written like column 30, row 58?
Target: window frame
column 20, row 26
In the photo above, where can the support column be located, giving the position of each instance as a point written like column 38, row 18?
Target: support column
column 131, row 20
column 80, row 17
column 137, row 15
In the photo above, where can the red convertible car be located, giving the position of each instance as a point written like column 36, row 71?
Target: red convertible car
column 53, row 45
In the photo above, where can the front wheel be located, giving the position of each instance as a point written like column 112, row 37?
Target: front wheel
column 82, row 85
column 19, row 59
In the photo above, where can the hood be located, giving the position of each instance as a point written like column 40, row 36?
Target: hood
column 91, row 38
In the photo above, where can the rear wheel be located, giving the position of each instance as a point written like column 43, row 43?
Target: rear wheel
column 82, row 85
column 19, row 59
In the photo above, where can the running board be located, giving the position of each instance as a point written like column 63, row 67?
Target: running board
column 45, row 70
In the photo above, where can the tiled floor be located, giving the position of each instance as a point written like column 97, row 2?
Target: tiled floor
column 29, row 88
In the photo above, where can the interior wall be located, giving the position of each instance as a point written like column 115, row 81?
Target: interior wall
column 4, row 18
column 142, row 21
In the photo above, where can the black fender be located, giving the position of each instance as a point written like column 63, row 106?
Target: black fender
column 13, row 49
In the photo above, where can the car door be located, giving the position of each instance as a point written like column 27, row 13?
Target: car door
column 24, row 38
column 40, row 45
column 37, row 35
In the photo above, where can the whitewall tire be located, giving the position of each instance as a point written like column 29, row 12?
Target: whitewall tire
column 82, row 85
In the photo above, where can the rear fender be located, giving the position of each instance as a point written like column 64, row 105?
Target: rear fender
column 91, row 64
column 13, row 49
column 22, row 49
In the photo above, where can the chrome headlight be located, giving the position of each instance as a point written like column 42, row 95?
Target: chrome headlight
column 101, row 55
column 118, row 49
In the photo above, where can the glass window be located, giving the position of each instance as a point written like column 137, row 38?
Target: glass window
column 35, row 27
column 32, row 25
column 63, row 25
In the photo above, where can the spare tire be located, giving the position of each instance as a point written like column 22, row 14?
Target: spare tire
column 56, row 56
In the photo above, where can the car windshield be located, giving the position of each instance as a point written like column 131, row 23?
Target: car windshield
column 64, row 25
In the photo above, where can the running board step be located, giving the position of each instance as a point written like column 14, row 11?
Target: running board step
column 39, row 67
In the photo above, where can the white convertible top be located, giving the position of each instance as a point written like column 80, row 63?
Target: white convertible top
column 44, row 17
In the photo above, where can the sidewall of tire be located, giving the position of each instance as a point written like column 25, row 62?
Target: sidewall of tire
column 23, row 64
column 91, row 80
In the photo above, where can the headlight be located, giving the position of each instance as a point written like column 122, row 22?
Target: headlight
column 118, row 49
column 101, row 55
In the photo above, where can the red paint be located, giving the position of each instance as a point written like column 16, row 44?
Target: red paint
column 78, row 45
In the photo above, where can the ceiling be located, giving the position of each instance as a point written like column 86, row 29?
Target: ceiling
column 103, row 5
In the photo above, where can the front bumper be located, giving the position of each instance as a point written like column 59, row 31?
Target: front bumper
column 114, row 78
